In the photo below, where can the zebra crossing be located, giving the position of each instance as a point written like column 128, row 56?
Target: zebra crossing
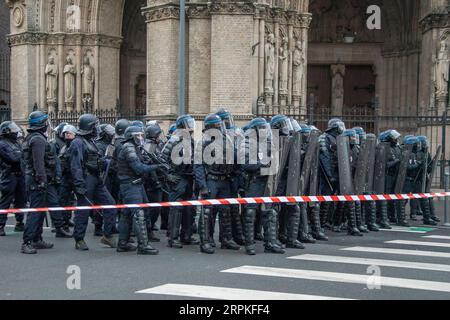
column 404, row 258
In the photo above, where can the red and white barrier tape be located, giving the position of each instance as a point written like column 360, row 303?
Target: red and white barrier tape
column 221, row 202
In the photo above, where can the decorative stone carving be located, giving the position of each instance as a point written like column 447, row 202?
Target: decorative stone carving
column 269, row 63
column 284, row 65
column 244, row 7
column 298, row 68
column 69, row 84
column 18, row 15
column 337, row 88
column 167, row 12
column 441, row 68
column 51, row 82
column 88, row 82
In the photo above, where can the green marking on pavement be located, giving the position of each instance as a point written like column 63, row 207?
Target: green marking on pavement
column 421, row 229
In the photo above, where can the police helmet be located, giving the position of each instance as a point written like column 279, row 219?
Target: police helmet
column 213, row 121
column 38, row 120
column 88, row 125
column 153, row 131
column 121, row 126
column 353, row 136
column 227, row 118
column 68, row 129
column 135, row 134
column 390, row 136
column 186, row 122
column 138, row 123
column 9, row 129
column 336, row 124
column 107, row 131
column 59, row 128
column 172, row 129
column 282, row 123
column 424, row 141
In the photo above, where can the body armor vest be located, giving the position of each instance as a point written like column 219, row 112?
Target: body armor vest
column 49, row 159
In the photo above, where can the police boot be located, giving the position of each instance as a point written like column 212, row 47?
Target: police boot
column 62, row 233
column 391, row 212
column 249, row 231
column 42, row 245
column 203, row 231
column 187, row 232
column 270, row 232
column 292, row 226
column 2, row 231
column 27, row 248
column 259, row 227
column 303, row 232
column 414, row 206
column 140, row 227
column 236, row 226
column 382, row 217
column 433, row 211
column 352, row 229
column 337, row 218
column 316, row 229
column 98, row 232
column 425, row 205
column 358, row 216
column 282, row 225
column 227, row 241
column 174, row 228
column 125, row 246
column 324, row 209
column 20, row 227
column 401, row 213
column 371, row 216
column 212, row 227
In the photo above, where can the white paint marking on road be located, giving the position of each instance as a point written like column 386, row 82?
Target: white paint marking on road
column 420, row 243
column 399, row 251
column 437, row 237
column 342, row 277
column 407, row 230
column 377, row 262
column 223, row 293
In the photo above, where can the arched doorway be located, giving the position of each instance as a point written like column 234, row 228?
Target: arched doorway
column 133, row 63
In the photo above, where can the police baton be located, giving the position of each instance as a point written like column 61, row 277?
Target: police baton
column 91, row 204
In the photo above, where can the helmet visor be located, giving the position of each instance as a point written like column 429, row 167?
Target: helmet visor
column 139, row 138
column 395, row 135
column 229, row 122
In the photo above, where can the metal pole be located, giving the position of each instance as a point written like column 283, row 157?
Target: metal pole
column 182, row 59
column 447, row 188
column 444, row 146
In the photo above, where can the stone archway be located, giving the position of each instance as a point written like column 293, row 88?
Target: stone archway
column 133, row 58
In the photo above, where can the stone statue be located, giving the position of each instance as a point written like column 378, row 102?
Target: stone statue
column 298, row 68
column 88, row 75
column 51, row 80
column 442, row 66
column 284, row 65
column 69, row 82
column 269, row 63
column 337, row 89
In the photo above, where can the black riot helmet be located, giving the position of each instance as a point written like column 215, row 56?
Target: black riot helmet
column 88, row 125
column 135, row 134
column 282, row 123
column 107, row 132
column 153, row 132
column 38, row 120
column 336, row 125
column 58, row 130
column 213, row 121
column 121, row 126
column 9, row 129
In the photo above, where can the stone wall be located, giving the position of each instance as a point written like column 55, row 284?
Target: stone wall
column 4, row 54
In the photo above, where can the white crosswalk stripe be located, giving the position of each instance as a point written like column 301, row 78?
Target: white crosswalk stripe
column 420, row 243
column 407, row 230
column 342, row 277
column 377, row 262
column 399, row 251
column 224, row 293
column 437, row 237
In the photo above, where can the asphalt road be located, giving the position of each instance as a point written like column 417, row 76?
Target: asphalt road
column 324, row 270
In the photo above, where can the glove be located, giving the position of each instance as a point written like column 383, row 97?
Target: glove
column 173, row 178
column 204, row 193
column 80, row 190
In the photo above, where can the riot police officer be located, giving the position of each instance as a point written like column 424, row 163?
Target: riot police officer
column 58, row 142
column 41, row 168
column 289, row 214
column 253, row 166
column 105, row 137
column 132, row 167
column 214, row 180
column 12, row 173
column 182, row 182
column 86, row 166
column 236, row 178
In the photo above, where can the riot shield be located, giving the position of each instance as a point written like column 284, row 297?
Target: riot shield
column 360, row 177
column 285, row 147
column 294, row 167
column 434, row 164
column 371, row 147
column 401, row 174
column 379, row 183
column 307, row 171
column 345, row 172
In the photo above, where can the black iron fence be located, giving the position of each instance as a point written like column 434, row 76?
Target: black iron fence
column 110, row 116
column 5, row 113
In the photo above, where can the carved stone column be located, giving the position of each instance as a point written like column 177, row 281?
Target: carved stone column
column 337, row 89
